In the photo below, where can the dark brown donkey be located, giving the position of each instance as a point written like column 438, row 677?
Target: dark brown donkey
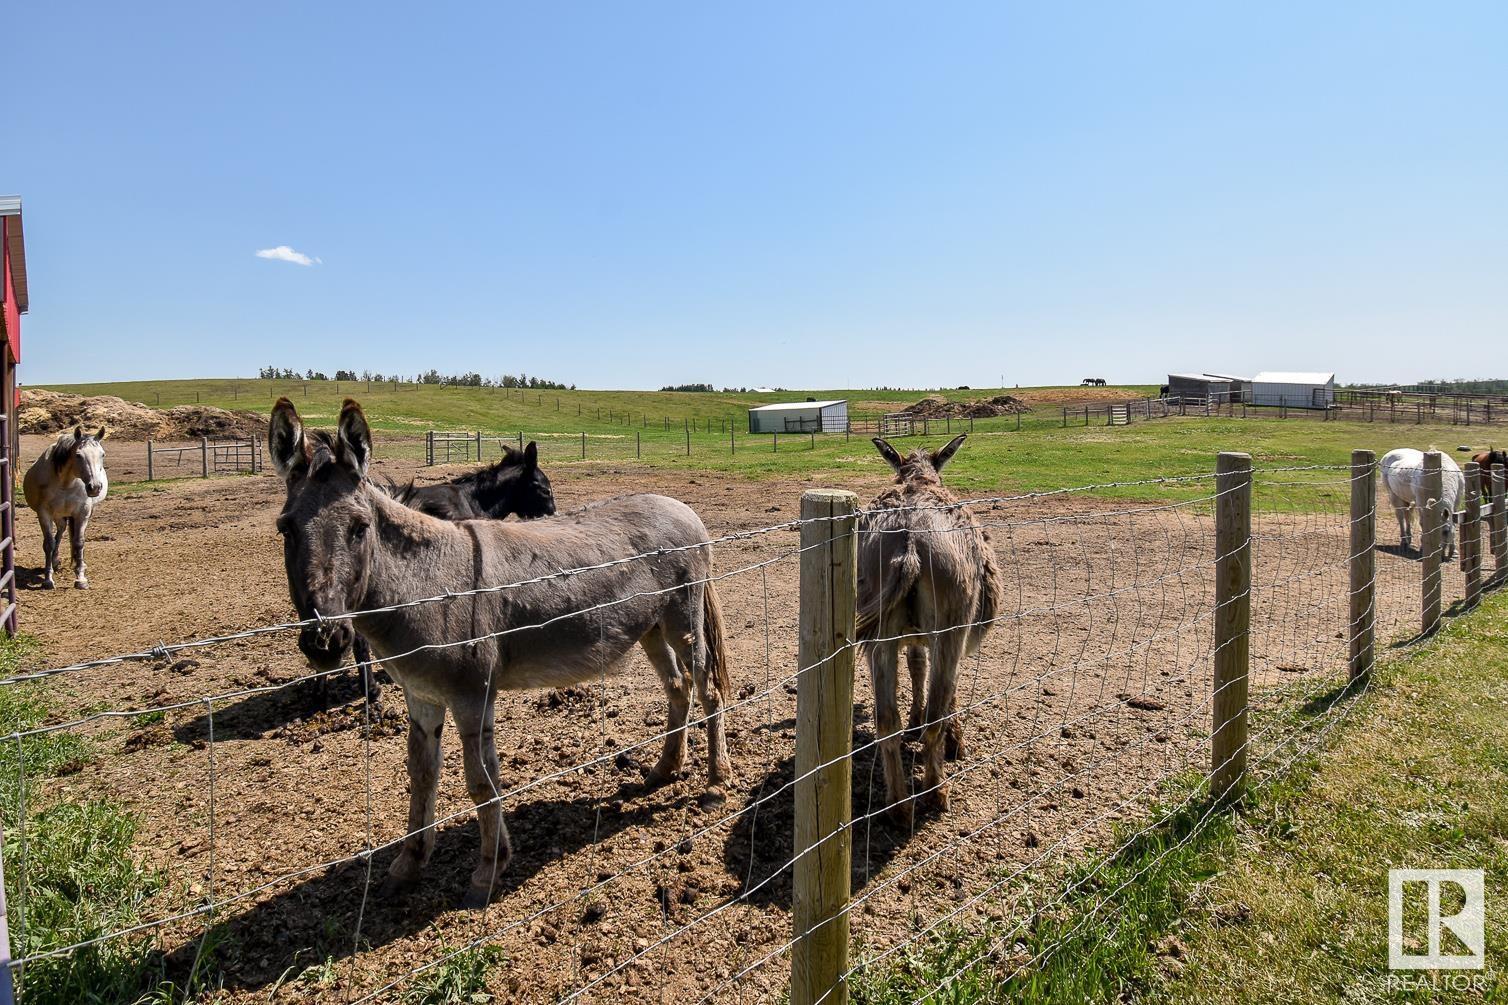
column 927, row 580
column 515, row 485
column 349, row 547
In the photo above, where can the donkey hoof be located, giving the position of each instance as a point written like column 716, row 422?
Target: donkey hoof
column 900, row 813
column 656, row 778
column 81, row 584
column 937, row 799
column 953, row 748
column 476, row 898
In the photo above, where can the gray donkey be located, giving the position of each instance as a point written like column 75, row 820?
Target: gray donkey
column 349, row 547
column 927, row 579
column 62, row 487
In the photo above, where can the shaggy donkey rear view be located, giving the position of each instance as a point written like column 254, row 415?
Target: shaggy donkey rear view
column 927, row 580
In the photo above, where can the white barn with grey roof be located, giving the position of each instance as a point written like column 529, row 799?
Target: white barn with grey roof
column 800, row 417
column 1293, row 389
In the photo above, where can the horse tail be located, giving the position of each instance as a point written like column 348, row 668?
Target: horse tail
column 716, row 639
column 897, row 580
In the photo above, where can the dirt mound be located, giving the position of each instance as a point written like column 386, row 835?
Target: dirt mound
column 47, row 412
column 935, row 406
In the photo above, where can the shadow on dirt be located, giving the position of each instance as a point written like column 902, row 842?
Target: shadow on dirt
column 311, row 705
column 313, row 920
column 760, row 846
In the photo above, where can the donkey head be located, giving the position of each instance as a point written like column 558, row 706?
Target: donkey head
column 517, row 484
column 326, row 523
column 82, row 455
column 921, row 466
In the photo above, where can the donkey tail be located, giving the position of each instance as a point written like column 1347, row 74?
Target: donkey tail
column 716, row 638
column 898, row 579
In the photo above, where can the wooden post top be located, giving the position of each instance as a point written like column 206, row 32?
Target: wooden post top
column 829, row 495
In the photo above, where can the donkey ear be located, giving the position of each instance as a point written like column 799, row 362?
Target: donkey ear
column 101, row 434
column 354, row 439
column 78, row 432
column 285, row 437
column 888, row 452
column 945, row 455
column 531, row 455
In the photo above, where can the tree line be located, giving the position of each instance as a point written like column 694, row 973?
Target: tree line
column 469, row 379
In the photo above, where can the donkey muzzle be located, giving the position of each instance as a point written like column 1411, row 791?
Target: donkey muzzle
column 325, row 644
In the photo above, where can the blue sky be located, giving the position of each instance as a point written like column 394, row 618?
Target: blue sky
column 834, row 195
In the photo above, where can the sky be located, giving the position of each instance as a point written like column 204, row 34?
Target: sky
column 802, row 195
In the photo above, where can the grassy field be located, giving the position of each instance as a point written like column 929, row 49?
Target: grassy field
column 652, row 427
column 1287, row 901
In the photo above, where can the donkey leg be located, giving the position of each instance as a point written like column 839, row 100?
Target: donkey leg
column 425, row 721
column 479, row 755
column 691, row 649
column 883, row 657
column 916, row 663
column 678, row 692
column 49, row 547
column 947, row 651
column 76, row 526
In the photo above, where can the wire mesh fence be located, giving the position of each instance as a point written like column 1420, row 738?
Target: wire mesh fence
column 271, row 804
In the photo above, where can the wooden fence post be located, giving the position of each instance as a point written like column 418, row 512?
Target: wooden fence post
column 204, row 456
column 688, row 441
column 1431, row 527
column 479, row 446
column 824, row 741
column 1470, row 543
column 429, row 447
column 1497, row 523
column 1363, row 628
column 1233, row 558
column 149, row 460
column 583, row 444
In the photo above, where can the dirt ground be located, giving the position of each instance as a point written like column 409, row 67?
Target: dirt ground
column 1092, row 690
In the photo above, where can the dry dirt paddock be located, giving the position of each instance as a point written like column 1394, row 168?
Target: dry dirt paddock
column 1092, row 690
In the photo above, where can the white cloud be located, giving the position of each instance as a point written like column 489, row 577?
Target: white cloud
column 283, row 253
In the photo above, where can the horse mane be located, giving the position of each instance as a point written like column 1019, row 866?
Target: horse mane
column 62, row 449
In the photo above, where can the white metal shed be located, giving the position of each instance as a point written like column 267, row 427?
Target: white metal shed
column 1293, row 389
column 800, row 417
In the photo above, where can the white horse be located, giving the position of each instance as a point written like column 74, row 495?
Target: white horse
column 63, row 486
column 1403, row 477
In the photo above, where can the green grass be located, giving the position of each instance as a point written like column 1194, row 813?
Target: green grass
column 1417, row 784
column 460, row 980
column 1042, row 455
column 1285, row 902
column 70, row 874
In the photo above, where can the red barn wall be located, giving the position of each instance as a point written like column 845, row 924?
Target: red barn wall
column 12, row 312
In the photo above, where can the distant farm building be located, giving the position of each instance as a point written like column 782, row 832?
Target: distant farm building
column 800, row 417
column 1292, row 389
column 1216, row 388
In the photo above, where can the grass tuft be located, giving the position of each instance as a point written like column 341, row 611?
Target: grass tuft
column 460, row 980
column 70, row 873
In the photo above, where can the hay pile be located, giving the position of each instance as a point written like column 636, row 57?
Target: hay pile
column 50, row 412
column 935, row 406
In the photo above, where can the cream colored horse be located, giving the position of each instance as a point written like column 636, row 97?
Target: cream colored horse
column 63, row 486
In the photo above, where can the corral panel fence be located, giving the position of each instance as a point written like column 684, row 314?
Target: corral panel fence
column 1148, row 659
column 208, row 456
